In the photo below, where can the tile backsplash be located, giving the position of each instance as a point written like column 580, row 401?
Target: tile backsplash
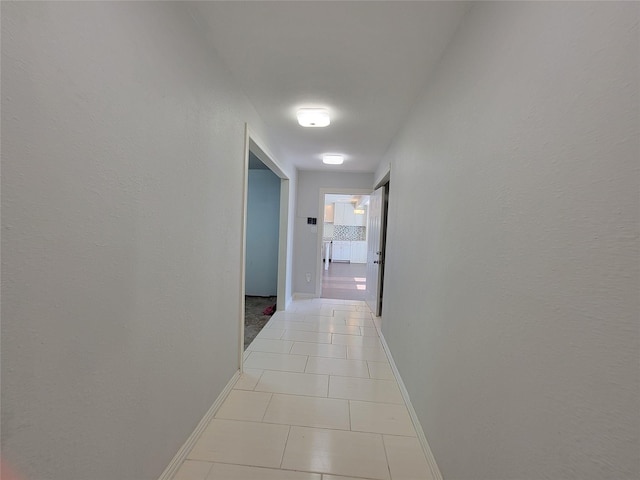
column 345, row 232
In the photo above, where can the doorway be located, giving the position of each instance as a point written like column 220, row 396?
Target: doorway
column 261, row 250
column 376, row 246
column 265, row 235
column 343, row 251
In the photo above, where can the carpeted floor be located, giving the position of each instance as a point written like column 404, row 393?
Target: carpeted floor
column 254, row 320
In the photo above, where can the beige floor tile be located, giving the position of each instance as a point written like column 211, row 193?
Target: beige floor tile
column 337, row 366
column 332, row 326
column 406, row 459
column 369, row 331
column 299, row 326
column 375, row 354
column 193, row 470
column 337, row 452
column 323, row 319
column 356, row 340
column 342, row 329
column 276, row 361
column 308, row 411
column 378, row 323
column 271, row 333
column 319, row 350
column 380, row 370
column 352, row 314
column 248, row 379
column 289, row 316
column 339, row 477
column 360, row 322
column 343, row 307
column 365, row 389
column 244, row 443
column 221, row 471
column 342, row 301
column 273, row 346
column 380, row 418
column 244, row 405
column 293, row 383
column 312, row 337
column 309, row 309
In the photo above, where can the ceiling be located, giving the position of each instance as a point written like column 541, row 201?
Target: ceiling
column 330, row 198
column 365, row 61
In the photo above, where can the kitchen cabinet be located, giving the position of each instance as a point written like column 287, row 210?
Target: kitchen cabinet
column 344, row 215
column 358, row 252
column 328, row 213
column 338, row 214
column 341, row 251
column 360, row 219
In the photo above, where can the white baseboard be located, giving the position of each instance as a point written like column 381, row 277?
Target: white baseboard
column 304, row 296
column 177, row 460
column 431, row 461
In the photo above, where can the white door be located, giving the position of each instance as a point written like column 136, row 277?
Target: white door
column 375, row 250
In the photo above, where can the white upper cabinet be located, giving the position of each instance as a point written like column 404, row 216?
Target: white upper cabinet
column 344, row 215
column 338, row 214
column 360, row 219
column 328, row 213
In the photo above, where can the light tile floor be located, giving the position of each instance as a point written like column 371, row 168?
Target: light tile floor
column 317, row 401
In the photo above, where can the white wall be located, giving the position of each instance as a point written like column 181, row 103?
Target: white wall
column 305, row 247
column 263, row 217
column 122, row 157
column 511, row 290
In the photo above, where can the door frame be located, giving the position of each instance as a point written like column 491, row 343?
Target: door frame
column 257, row 147
column 382, row 182
column 324, row 191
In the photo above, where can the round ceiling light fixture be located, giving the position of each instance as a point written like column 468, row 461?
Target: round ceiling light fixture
column 332, row 159
column 313, row 117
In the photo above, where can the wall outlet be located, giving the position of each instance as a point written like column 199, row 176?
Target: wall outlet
column 308, row 275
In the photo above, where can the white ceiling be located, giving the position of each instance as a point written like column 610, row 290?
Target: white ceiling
column 366, row 61
column 330, row 198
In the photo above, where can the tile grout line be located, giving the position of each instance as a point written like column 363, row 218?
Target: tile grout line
column 276, row 469
column 386, row 455
column 286, row 443
column 267, row 408
column 306, row 362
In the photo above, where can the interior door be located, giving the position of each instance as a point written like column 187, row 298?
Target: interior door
column 375, row 250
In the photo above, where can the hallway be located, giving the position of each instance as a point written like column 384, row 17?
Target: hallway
column 346, row 281
column 317, row 400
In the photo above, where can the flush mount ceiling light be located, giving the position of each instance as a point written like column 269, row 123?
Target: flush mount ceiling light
column 313, row 117
column 332, row 159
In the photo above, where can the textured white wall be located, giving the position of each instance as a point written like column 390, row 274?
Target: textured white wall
column 305, row 247
column 512, row 282
column 122, row 159
column 263, row 217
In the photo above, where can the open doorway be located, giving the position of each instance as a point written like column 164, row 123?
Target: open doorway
column 265, row 235
column 344, row 246
column 261, row 249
